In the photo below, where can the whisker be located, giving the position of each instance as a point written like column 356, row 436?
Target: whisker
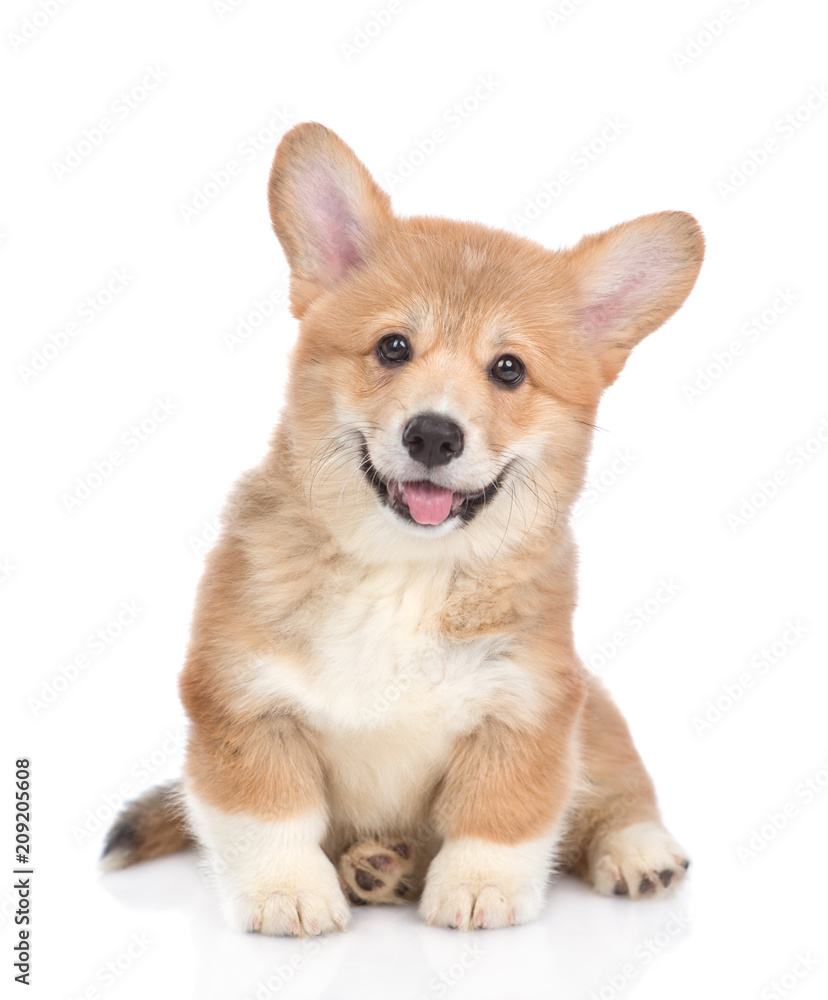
column 335, row 448
column 508, row 519
column 523, row 470
column 595, row 427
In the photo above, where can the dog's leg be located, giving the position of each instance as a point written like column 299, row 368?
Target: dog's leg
column 255, row 798
column 617, row 840
column 499, row 808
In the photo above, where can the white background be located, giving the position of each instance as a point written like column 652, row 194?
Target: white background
column 673, row 468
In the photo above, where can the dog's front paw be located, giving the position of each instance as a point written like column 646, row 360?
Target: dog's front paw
column 636, row 861
column 473, row 883
column 305, row 900
column 301, row 913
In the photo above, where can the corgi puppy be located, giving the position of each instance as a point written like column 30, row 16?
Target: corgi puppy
column 385, row 700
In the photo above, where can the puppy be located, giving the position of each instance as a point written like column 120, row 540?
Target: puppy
column 384, row 697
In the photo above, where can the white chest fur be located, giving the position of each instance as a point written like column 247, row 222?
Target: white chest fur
column 377, row 660
column 388, row 694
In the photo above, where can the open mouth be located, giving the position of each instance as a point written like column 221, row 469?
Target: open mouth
column 425, row 503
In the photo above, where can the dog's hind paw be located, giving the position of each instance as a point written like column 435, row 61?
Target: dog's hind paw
column 374, row 871
column 637, row 861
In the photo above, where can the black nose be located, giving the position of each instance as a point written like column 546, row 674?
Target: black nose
column 432, row 439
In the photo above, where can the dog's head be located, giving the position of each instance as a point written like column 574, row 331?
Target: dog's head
column 447, row 374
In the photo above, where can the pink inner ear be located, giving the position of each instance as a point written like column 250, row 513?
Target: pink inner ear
column 616, row 306
column 334, row 229
column 624, row 296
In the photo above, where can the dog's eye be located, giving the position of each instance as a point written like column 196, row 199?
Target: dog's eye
column 508, row 369
column 393, row 349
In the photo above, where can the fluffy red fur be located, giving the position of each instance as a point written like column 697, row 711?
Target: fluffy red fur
column 323, row 591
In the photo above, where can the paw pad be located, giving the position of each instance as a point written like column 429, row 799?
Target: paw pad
column 376, row 872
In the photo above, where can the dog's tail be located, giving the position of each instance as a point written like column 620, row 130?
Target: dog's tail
column 148, row 827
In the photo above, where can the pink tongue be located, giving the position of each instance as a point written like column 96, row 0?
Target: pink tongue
column 429, row 504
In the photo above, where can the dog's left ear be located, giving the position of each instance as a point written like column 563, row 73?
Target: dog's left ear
column 326, row 209
column 630, row 279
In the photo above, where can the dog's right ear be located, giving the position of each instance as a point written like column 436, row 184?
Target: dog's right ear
column 326, row 210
